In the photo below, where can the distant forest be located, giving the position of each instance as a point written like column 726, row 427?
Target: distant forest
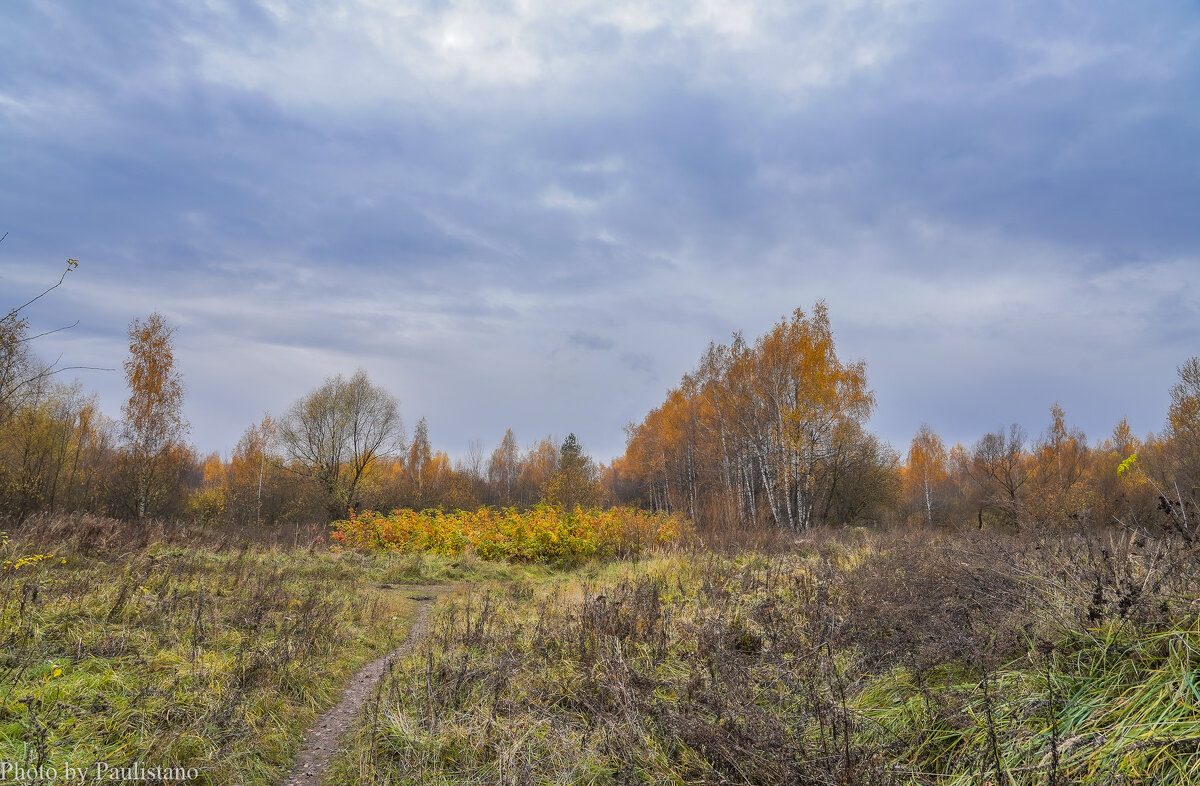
column 770, row 434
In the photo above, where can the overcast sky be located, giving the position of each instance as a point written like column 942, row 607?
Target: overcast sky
column 537, row 214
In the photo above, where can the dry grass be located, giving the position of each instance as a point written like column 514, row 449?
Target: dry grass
column 855, row 658
column 176, row 656
column 848, row 657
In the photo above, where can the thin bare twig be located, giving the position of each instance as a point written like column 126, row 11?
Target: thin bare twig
column 48, row 332
column 71, row 265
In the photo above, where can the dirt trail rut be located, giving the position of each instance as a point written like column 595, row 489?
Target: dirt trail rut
column 321, row 742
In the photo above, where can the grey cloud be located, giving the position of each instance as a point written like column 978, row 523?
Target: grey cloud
column 638, row 362
column 591, row 341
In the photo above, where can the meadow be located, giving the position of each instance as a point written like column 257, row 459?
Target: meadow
column 850, row 657
column 845, row 656
column 169, row 645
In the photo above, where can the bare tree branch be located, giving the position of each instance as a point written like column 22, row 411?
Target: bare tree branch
column 71, row 265
column 49, row 332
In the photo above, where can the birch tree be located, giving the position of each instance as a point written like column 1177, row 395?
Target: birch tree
column 504, row 467
column 152, row 417
column 926, row 468
column 768, row 429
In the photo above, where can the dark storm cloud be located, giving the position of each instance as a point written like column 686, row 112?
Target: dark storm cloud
column 995, row 201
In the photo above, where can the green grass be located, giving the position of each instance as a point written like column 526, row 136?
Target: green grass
column 1116, row 705
column 173, row 656
column 215, row 659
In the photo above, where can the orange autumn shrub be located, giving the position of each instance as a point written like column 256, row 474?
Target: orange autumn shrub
column 536, row 535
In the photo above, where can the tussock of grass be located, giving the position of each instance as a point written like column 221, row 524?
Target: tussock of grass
column 1110, row 705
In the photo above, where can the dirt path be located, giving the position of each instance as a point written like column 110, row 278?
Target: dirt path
column 322, row 739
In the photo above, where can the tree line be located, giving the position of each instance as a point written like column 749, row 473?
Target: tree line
column 1007, row 478
column 772, row 433
column 338, row 449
